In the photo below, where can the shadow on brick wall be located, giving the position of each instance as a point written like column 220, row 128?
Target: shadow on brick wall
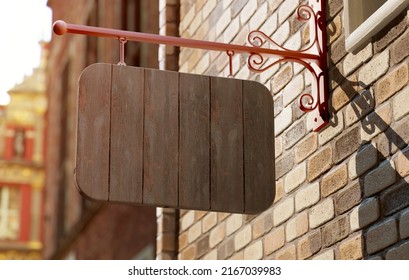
column 379, row 191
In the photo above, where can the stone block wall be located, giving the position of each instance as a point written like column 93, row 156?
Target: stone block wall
column 341, row 193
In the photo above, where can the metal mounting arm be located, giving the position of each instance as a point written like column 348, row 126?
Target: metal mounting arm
column 313, row 57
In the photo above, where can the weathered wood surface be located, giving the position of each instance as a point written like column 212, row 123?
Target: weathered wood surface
column 227, row 145
column 92, row 162
column 171, row 139
column 126, row 135
column 161, row 138
column 194, row 146
column 258, row 131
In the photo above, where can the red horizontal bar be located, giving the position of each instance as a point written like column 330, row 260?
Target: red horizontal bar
column 60, row 28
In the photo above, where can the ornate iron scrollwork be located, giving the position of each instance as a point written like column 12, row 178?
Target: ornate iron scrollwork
column 259, row 62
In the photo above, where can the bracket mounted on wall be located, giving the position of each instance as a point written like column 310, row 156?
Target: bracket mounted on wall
column 263, row 53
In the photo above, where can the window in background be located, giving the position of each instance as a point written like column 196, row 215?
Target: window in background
column 10, row 215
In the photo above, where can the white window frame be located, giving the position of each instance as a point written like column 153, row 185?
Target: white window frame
column 358, row 38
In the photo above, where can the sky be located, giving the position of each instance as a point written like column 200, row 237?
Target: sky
column 23, row 24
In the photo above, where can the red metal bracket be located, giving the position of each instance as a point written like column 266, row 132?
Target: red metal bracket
column 313, row 57
column 317, row 100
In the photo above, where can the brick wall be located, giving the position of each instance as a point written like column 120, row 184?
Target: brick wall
column 342, row 193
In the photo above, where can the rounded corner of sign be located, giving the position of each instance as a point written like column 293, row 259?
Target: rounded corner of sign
column 265, row 203
column 264, row 89
column 92, row 67
column 83, row 192
column 79, row 189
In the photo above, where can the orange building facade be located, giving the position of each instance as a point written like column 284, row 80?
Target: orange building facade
column 22, row 170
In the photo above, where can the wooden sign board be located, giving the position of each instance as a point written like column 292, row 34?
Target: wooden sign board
column 170, row 139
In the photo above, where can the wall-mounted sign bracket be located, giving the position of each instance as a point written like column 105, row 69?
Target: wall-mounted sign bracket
column 263, row 53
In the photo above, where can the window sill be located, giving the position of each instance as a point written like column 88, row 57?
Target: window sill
column 362, row 35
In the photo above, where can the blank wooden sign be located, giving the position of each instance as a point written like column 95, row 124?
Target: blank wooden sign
column 171, row 139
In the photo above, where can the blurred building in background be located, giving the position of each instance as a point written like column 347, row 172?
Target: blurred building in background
column 76, row 228
column 22, row 149
column 341, row 193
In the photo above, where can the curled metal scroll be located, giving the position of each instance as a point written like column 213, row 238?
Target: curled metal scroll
column 258, row 63
column 257, row 38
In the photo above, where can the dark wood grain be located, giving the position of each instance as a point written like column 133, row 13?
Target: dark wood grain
column 126, row 154
column 226, row 145
column 194, row 144
column 161, row 138
column 92, row 162
column 258, row 147
column 164, row 138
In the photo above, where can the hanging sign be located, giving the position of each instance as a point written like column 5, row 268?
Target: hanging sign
column 170, row 139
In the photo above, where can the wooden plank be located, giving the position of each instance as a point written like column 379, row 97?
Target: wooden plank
column 226, row 145
column 258, row 147
column 126, row 152
column 194, row 144
column 179, row 140
column 161, row 138
column 92, row 162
